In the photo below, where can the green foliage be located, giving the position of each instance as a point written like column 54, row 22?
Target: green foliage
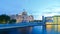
column 12, row 21
column 4, row 19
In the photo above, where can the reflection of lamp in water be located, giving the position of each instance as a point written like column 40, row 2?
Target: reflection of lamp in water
column 58, row 28
column 49, row 27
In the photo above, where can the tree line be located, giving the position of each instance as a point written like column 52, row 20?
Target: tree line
column 5, row 19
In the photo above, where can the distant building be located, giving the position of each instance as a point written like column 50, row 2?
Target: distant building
column 19, row 18
column 13, row 16
column 56, row 20
column 23, row 17
column 30, row 18
column 49, row 20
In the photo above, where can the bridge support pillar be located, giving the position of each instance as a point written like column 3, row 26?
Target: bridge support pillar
column 44, row 25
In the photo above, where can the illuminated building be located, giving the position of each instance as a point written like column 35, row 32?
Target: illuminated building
column 49, row 20
column 56, row 20
column 23, row 17
column 30, row 18
column 19, row 18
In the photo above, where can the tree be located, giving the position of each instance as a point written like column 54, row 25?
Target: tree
column 12, row 21
column 4, row 19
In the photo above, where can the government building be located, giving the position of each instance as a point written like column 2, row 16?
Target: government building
column 22, row 17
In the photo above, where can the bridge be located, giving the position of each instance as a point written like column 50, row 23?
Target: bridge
column 6, row 26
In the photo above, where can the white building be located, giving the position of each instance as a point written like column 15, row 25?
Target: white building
column 23, row 17
column 30, row 18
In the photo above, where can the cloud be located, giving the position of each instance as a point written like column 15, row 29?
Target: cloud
column 51, row 11
column 37, row 17
column 56, row 10
column 52, row 14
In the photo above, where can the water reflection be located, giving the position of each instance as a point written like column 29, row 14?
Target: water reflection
column 25, row 30
column 53, row 29
column 58, row 28
column 37, row 30
column 50, row 29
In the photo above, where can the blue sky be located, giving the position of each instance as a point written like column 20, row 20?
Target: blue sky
column 35, row 7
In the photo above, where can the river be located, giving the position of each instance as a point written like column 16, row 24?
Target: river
column 50, row 29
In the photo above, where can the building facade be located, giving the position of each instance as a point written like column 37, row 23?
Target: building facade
column 23, row 17
column 56, row 20
column 30, row 18
column 49, row 20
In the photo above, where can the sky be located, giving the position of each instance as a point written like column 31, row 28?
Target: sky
column 37, row 8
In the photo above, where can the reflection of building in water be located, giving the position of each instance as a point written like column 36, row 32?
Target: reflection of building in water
column 25, row 30
column 56, row 20
column 49, row 20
